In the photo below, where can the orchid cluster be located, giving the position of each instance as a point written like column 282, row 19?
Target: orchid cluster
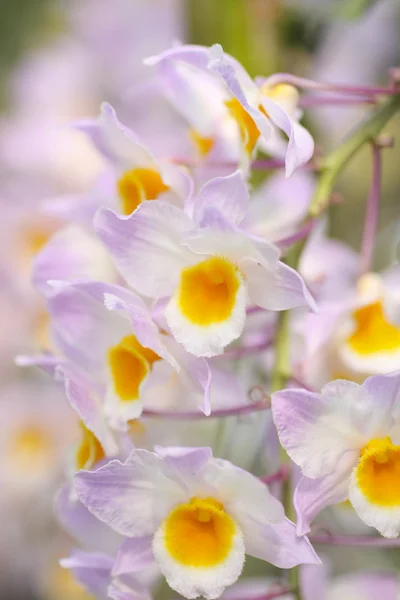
column 232, row 368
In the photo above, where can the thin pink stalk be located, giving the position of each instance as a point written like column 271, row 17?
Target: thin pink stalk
column 281, row 591
column 279, row 475
column 372, row 211
column 307, row 101
column 243, row 351
column 355, row 540
column 309, row 84
column 296, row 237
column 197, row 415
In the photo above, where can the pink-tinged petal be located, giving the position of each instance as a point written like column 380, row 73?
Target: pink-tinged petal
column 192, row 54
column 368, row 586
column 315, row 429
column 115, row 141
column 86, row 399
column 243, row 495
column 313, row 495
column 278, row 544
column 391, row 282
column 301, row 144
column 91, row 569
column 194, row 373
column 80, row 524
column 276, row 289
column 146, row 245
column 71, row 254
column 229, row 195
column 82, row 327
column 319, row 327
column 133, row 555
column 132, row 497
column 384, row 388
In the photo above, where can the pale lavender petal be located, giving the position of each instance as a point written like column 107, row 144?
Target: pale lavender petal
column 229, row 195
column 82, row 327
column 301, row 144
column 314, row 581
column 278, row 544
column 92, row 570
column 315, row 430
column 71, row 254
column 86, row 399
column 47, row 362
column 127, row 588
column 281, row 288
column 313, row 495
column 134, row 555
column 131, row 497
column 146, row 245
column 80, row 524
column 188, row 461
column 197, row 56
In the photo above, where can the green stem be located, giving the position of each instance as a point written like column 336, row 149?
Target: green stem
column 334, row 163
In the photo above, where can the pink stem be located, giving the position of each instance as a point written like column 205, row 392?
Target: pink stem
column 309, row 84
column 307, row 101
column 281, row 591
column 197, row 415
column 372, row 211
column 299, row 235
column 242, row 351
column 279, row 475
column 355, row 540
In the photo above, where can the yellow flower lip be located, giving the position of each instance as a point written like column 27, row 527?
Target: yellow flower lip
column 378, row 472
column 208, row 290
column 129, row 364
column 89, row 451
column 373, row 333
column 137, row 185
column 199, row 533
column 249, row 131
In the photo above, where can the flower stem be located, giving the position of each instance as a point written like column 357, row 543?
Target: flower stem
column 334, row 163
column 355, row 540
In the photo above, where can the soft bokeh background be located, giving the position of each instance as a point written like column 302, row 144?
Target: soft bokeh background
column 58, row 61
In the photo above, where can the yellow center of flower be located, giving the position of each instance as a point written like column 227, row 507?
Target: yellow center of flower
column 378, row 472
column 373, row 333
column 89, row 451
column 249, row 131
column 204, row 144
column 282, row 93
column 199, row 533
column 208, row 290
column 138, row 185
column 31, row 448
column 129, row 364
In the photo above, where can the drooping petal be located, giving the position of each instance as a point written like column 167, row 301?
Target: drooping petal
column 278, row 544
column 313, row 495
column 276, row 289
column 146, row 246
column 301, row 144
column 131, row 497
